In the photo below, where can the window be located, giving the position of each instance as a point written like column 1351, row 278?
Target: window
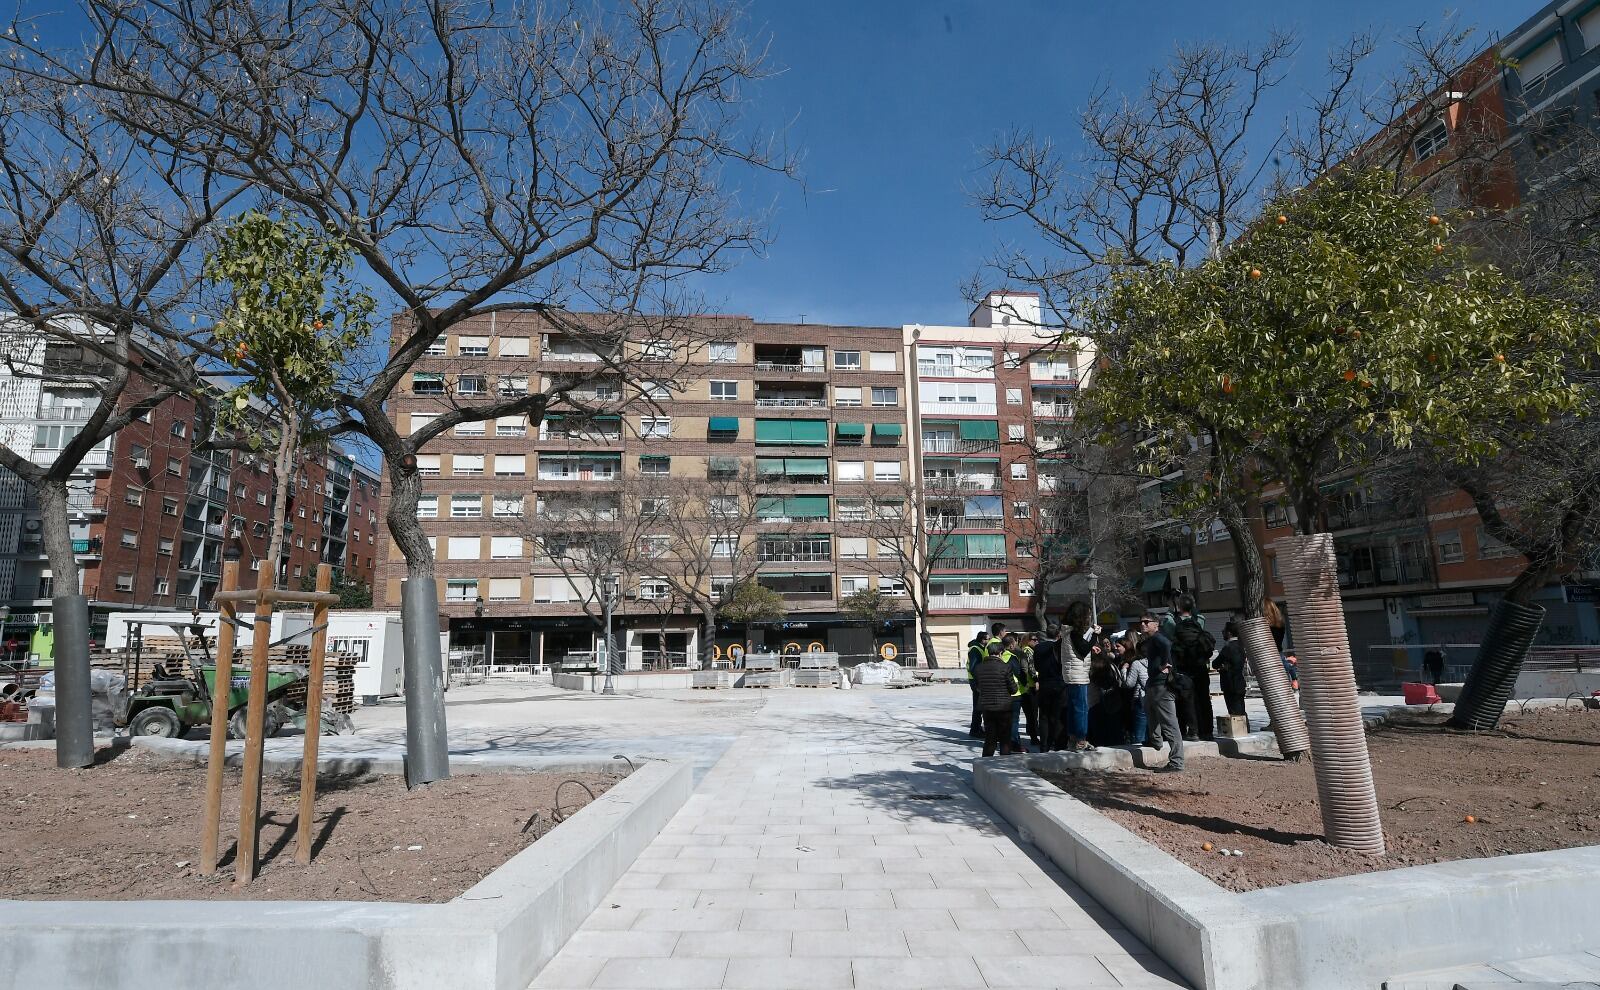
column 1430, row 140
column 507, row 506
column 174, row 467
column 427, row 507
column 461, row 591
column 885, row 470
column 658, row 350
column 169, row 506
column 178, row 429
column 259, row 529
column 846, row 397
column 655, row 427
column 852, row 548
column 428, row 465
column 298, row 570
column 302, row 512
column 514, row 346
column 852, row 470
column 1448, row 544
column 887, row 549
column 427, row 384
column 466, row 507
column 473, row 346
column 723, row 546
column 133, row 496
column 881, row 361
column 655, row 465
column 657, row 390
column 1276, row 515
column 1539, row 64
column 654, row 589
column 238, row 491
column 164, row 546
column 892, row 586
column 505, row 589
column 1589, row 27
column 725, row 390
column 474, row 429
column 851, row 585
column 655, row 545
column 1015, row 432
column 54, row 437
column 130, row 538
column 1025, row 587
column 655, row 506
column 124, row 582
column 723, row 352
column 505, row 548
column 1225, row 577
column 511, row 426
column 1490, row 548
column 720, row 586
column 163, row 586
column 419, row 421
column 435, row 347
column 300, row 542
column 1019, row 469
column 1024, row 548
column 722, row 506
column 847, row 360
column 1013, row 396
column 885, row 396
column 510, row 465
column 1020, row 510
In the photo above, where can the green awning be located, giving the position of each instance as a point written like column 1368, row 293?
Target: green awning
column 769, row 465
column 850, row 429
column 979, row 429
column 723, row 463
column 1156, row 581
column 886, row 429
column 774, row 431
column 723, row 424
column 807, row 506
column 986, row 545
column 810, row 432
column 805, row 466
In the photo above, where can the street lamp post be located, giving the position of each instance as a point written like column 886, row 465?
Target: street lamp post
column 1094, row 597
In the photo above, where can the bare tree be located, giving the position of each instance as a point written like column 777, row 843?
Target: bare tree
column 99, row 254
column 479, row 159
column 910, row 526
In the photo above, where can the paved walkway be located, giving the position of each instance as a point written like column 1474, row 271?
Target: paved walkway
column 838, row 843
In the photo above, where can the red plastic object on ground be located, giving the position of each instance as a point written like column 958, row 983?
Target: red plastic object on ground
column 1419, row 694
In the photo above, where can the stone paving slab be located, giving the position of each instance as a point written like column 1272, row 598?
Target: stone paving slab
column 838, row 843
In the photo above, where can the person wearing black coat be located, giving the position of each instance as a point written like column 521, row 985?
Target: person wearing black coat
column 1052, row 688
column 993, row 690
column 1230, row 664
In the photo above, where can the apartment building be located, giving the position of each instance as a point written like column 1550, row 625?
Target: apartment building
column 839, row 425
column 152, row 518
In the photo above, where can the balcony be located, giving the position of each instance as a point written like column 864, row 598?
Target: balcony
column 969, row 601
column 187, row 603
column 1052, row 410
column 975, row 368
column 790, row 360
column 950, row 445
column 557, row 348
column 958, row 408
column 74, row 413
column 960, row 482
column 969, row 564
column 87, row 504
column 795, row 552
column 940, row 524
column 790, row 402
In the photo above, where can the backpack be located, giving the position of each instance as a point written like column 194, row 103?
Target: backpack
column 1192, row 645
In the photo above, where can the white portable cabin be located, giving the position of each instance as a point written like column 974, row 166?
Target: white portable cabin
column 159, row 625
column 375, row 637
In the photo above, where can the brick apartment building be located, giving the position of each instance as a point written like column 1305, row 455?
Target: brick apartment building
column 824, row 416
column 152, row 517
column 1420, row 572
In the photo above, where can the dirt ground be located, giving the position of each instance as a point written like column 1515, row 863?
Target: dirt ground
column 130, row 830
column 1533, row 785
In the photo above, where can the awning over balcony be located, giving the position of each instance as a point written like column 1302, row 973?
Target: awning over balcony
column 886, row 430
column 792, row 467
column 850, row 429
column 723, row 465
column 976, row 545
column 978, row 429
column 793, row 507
column 806, row 432
column 793, row 574
column 723, row 424
column 1156, row 581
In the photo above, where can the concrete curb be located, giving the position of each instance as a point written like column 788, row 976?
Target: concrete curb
column 498, row 934
column 1324, row 935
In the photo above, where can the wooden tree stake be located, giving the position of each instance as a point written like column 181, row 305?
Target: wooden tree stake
column 222, row 688
column 244, row 861
column 308, row 759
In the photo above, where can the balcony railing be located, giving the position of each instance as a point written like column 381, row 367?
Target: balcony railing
column 941, row 523
column 88, row 504
column 769, row 402
column 1052, row 410
column 960, row 483
column 816, row 369
column 943, row 369
column 581, row 475
column 958, row 408
column 948, row 445
column 1065, row 377
column 804, row 596
column 569, row 356
column 787, row 555
column 968, row 601
column 969, row 563
column 71, row 414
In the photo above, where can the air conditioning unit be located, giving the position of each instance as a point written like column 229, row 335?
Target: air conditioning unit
column 143, row 463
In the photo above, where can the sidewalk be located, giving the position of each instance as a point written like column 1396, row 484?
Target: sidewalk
column 837, row 843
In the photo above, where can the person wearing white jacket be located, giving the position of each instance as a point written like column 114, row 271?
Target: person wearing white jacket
column 1075, row 662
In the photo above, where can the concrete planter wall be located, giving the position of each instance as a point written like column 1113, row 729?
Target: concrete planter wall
column 496, row 935
column 1349, row 932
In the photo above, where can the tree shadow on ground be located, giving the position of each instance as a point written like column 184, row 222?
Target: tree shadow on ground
column 1134, row 794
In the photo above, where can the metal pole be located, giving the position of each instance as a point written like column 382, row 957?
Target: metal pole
column 74, row 700
column 1094, row 596
column 610, row 688
column 427, row 740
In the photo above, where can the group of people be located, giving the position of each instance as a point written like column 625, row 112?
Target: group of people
column 1075, row 686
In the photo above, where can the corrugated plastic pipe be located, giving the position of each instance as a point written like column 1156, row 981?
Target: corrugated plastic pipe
column 1328, row 693
column 1267, row 665
column 1505, row 645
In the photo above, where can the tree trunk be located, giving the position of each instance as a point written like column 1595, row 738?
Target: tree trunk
column 427, row 736
column 925, row 637
column 280, row 506
column 708, row 648
column 70, row 615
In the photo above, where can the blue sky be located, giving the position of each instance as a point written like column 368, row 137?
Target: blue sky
column 891, row 102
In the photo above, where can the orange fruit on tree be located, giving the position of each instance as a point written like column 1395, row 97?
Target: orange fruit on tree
column 1227, row 383
column 1438, row 248
column 1501, row 358
column 1349, row 376
column 1255, row 273
column 1282, row 218
column 1435, row 220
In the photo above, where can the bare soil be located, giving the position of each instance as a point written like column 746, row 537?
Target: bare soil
column 130, row 829
column 1533, row 785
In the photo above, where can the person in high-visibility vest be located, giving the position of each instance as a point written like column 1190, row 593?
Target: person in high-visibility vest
column 1022, row 674
column 977, row 650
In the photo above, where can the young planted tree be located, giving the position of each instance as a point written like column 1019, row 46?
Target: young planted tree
column 875, row 608
column 291, row 318
column 910, row 526
column 478, row 160
column 1342, row 318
